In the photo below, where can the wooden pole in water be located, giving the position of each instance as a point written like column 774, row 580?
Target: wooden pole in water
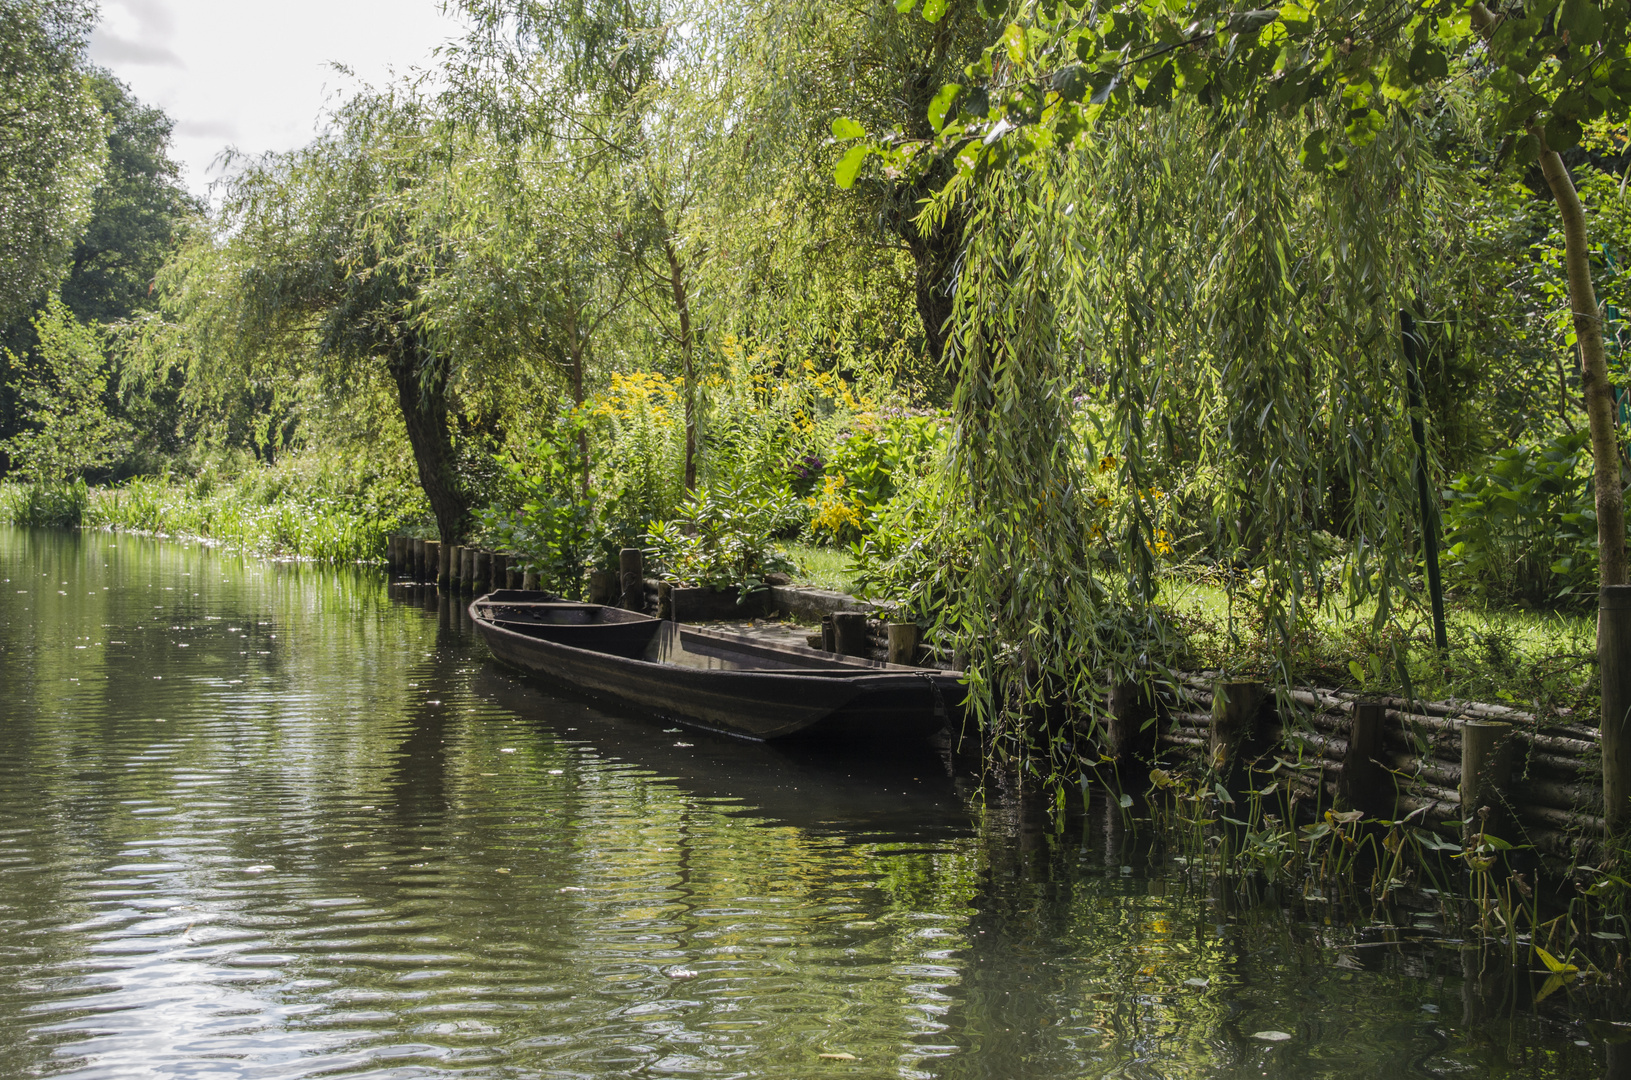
column 444, row 567
column 1483, row 771
column 501, row 569
column 1235, row 706
column 903, row 643
column 631, row 570
column 433, row 561
column 1362, row 783
column 1131, row 730
column 1614, row 666
column 482, row 578
column 529, row 581
column 850, row 633
column 418, row 567
column 469, row 560
column 455, row 567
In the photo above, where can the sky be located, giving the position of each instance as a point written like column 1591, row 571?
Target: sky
column 253, row 74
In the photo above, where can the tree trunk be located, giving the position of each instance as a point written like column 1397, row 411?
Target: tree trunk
column 424, row 414
column 577, row 399
column 676, row 281
column 1598, row 391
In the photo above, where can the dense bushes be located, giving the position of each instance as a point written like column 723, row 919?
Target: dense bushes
column 1523, row 527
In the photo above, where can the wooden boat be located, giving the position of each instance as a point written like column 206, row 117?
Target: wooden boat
column 715, row 679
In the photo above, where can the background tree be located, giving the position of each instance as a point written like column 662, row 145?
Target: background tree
column 51, row 145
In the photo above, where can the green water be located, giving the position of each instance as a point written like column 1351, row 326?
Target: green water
column 269, row 820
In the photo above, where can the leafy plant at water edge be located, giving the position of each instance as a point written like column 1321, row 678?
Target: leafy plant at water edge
column 720, row 538
column 46, row 505
column 545, row 513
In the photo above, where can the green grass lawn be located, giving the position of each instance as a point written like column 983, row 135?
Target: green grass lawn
column 822, row 567
column 1495, row 654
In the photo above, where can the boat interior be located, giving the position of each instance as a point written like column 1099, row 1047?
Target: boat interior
column 640, row 637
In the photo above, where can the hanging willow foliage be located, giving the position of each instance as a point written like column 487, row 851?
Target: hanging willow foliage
column 1236, row 317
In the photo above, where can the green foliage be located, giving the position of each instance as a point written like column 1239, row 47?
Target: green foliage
column 46, row 505
column 1523, row 527
column 719, row 538
column 137, row 213
column 917, row 555
column 51, row 145
column 544, row 514
column 321, row 506
column 63, row 388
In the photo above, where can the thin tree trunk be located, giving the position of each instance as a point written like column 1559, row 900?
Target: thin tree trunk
column 676, row 281
column 424, row 414
column 577, row 399
column 1597, row 390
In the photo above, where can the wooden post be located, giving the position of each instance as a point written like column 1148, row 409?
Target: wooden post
column 392, row 558
column 482, row 577
column 433, row 561
column 1131, row 731
column 665, row 600
column 903, row 643
column 1614, row 666
column 469, row 561
column 1235, row 706
column 600, row 587
column 631, row 570
column 500, row 570
column 417, row 568
column 850, row 633
column 444, row 570
column 829, row 637
column 1363, row 783
column 529, row 581
column 1483, row 770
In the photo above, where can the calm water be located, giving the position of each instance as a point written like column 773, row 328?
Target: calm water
column 266, row 820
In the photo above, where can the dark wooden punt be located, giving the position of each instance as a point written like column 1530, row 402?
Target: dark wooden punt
column 714, row 679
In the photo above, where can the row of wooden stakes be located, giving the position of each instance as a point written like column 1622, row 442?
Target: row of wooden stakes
column 1453, row 765
column 453, row 566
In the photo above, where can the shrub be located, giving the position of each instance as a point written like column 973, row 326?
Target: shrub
column 1524, row 526
column 720, row 538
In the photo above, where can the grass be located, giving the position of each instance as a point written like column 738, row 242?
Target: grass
column 823, row 567
column 294, row 512
column 1531, row 659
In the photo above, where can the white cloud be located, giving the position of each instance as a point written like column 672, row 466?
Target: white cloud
column 258, row 75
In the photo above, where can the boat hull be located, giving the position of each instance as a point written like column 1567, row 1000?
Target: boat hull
column 784, row 695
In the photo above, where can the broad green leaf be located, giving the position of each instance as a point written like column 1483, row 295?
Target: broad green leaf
column 1562, row 132
column 1583, row 20
column 845, row 128
column 850, row 165
column 903, row 6
column 1014, row 39
column 1553, row 964
column 942, row 104
column 1126, row 801
column 935, row 10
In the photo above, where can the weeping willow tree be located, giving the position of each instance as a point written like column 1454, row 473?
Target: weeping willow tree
column 1237, row 314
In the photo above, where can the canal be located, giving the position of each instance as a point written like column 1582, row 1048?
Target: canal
column 275, row 820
